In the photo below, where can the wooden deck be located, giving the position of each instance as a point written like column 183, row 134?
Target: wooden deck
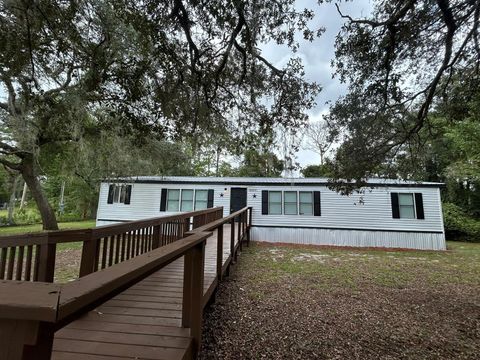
column 145, row 321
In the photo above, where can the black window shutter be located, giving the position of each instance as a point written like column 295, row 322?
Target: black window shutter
column 110, row 194
column 317, row 210
column 163, row 200
column 128, row 194
column 210, row 198
column 419, row 206
column 395, row 206
column 264, row 202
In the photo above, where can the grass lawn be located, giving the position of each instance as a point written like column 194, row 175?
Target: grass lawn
column 303, row 302
column 22, row 229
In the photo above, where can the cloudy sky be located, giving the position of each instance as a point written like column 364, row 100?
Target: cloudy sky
column 317, row 56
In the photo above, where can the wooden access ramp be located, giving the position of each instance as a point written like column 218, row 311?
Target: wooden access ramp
column 147, row 307
column 144, row 321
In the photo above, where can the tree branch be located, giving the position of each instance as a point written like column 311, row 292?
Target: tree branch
column 10, row 165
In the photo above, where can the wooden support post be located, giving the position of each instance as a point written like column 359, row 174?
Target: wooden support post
column 186, row 225
column 232, row 239
column 192, row 307
column 219, row 252
column 46, row 264
column 239, row 238
column 156, row 237
column 249, row 225
column 42, row 349
column 89, row 256
column 25, row 340
column 240, row 230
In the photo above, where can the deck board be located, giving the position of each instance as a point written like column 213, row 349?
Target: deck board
column 144, row 321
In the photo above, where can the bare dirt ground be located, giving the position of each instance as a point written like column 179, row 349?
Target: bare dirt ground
column 307, row 303
column 67, row 262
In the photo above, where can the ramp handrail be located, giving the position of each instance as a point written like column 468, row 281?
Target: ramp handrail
column 31, row 312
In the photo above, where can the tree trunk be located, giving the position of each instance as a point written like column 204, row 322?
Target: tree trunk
column 24, row 196
column 30, row 176
column 11, row 205
column 217, row 162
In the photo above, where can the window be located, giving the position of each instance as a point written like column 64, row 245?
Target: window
column 173, row 197
column 306, row 203
column 119, row 194
column 201, row 199
column 187, row 200
column 290, row 203
column 275, row 202
column 406, row 206
column 174, row 200
column 116, row 193
column 294, row 203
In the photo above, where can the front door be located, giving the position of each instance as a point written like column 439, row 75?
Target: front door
column 238, row 199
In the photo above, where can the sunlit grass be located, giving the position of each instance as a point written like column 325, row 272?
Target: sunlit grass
column 22, row 229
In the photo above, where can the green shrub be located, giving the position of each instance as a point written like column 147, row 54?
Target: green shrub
column 3, row 220
column 27, row 216
column 459, row 225
column 68, row 217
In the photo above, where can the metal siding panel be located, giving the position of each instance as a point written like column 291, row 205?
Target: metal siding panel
column 352, row 238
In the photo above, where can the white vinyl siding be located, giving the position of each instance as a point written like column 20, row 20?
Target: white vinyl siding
column 406, row 205
column 201, row 199
column 368, row 213
column 338, row 211
column 275, row 202
column 306, row 202
column 290, row 203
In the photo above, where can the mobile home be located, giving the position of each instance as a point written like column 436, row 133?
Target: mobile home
column 387, row 213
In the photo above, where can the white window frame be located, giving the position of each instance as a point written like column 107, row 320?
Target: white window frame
column 281, row 202
column 180, row 199
column 119, row 193
column 300, row 203
column 177, row 200
column 192, row 201
column 290, row 202
column 196, row 201
column 414, row 205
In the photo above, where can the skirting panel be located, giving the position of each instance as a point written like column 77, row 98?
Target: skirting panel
column 355, row 238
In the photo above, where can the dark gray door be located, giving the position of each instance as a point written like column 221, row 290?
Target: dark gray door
column 238, row 199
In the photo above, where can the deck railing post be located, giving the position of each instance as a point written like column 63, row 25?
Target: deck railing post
column 25, row 339
column 186, row 225
column 156, row 237
column 46, row 263
column 232, row 239
column 195, row 222
column 89, row 255
column 219, row 252
column 192, row 306
column 249, row 225
column 239, row 235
